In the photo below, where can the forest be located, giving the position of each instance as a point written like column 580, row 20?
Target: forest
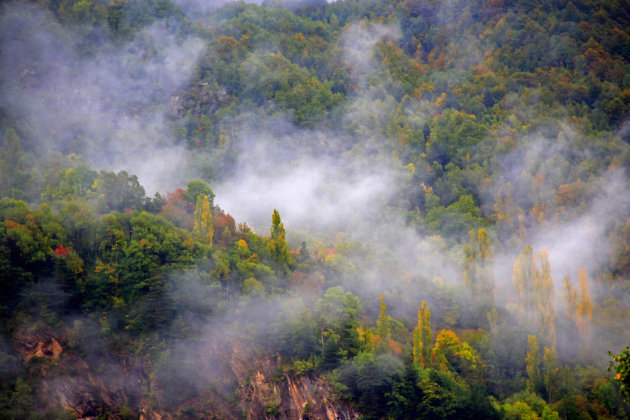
column 356, row 209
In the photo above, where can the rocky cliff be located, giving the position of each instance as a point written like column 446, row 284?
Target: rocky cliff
column 268, row 392
column 247, row 384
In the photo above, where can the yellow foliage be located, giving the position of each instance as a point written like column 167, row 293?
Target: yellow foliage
column 449, row 350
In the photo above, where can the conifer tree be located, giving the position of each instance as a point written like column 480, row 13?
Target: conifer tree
column 203, row 229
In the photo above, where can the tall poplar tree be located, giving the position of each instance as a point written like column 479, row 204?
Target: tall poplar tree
column 478, row 276
column 534, row 292
column 203, row 231
column 532, row 361
column 278, row 248
column 383, row 328
column 422, row 337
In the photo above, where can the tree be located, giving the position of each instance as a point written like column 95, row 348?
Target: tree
column 203, row 231
column 383, row 328
column 578, row 306
column 118, row 192
column 422, row 337
column 532, row 361
column 478, row 268
column 278, row 245
column 337, row 319
column 550, row 358
column 453, row 354
column 12, row 172
column 621, row 363
column 534, row 289
column 584, row 308
column 196, row 188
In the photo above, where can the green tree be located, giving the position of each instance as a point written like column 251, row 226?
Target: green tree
column 196, row 188
column 337, row 316
column 278, row 248
column 534, row 381
column 550, row 359
column 118, row 192
column 12, row 172
column 621, row 364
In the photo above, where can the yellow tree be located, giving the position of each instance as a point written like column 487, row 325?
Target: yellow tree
column 570, row 299
column 584, row 308
column 544, row 299
column 578, row 305
column 383, row 328
column 478, row 276
column 523, row 280
column 534, row 292
column 422, row 337
column 203, row 230
column 453, row 354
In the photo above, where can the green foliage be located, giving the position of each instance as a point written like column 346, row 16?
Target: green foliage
column 118, row 192
column 197, row 188
column 498, row 120
column 621, row 363
column 337, row 318
column 278, row 249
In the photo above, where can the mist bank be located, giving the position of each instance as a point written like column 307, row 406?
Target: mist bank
column 387, row 188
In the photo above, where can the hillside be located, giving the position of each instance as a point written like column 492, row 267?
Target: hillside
column 357, row 209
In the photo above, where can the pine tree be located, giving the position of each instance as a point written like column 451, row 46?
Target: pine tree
column 203, row 231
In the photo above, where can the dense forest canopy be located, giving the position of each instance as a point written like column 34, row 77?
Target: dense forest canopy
column 420, row 208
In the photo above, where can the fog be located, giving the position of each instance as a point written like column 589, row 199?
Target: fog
column 108, row 105
column 331, row 186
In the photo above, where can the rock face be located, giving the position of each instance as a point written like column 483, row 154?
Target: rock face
column 38, row 344
column 198, row 98
column 270, row 393
column 256, row 379
column 69, row 381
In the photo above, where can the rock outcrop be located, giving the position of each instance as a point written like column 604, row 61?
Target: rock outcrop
column 245, row 383
column 197, row 99
column 268, row 392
